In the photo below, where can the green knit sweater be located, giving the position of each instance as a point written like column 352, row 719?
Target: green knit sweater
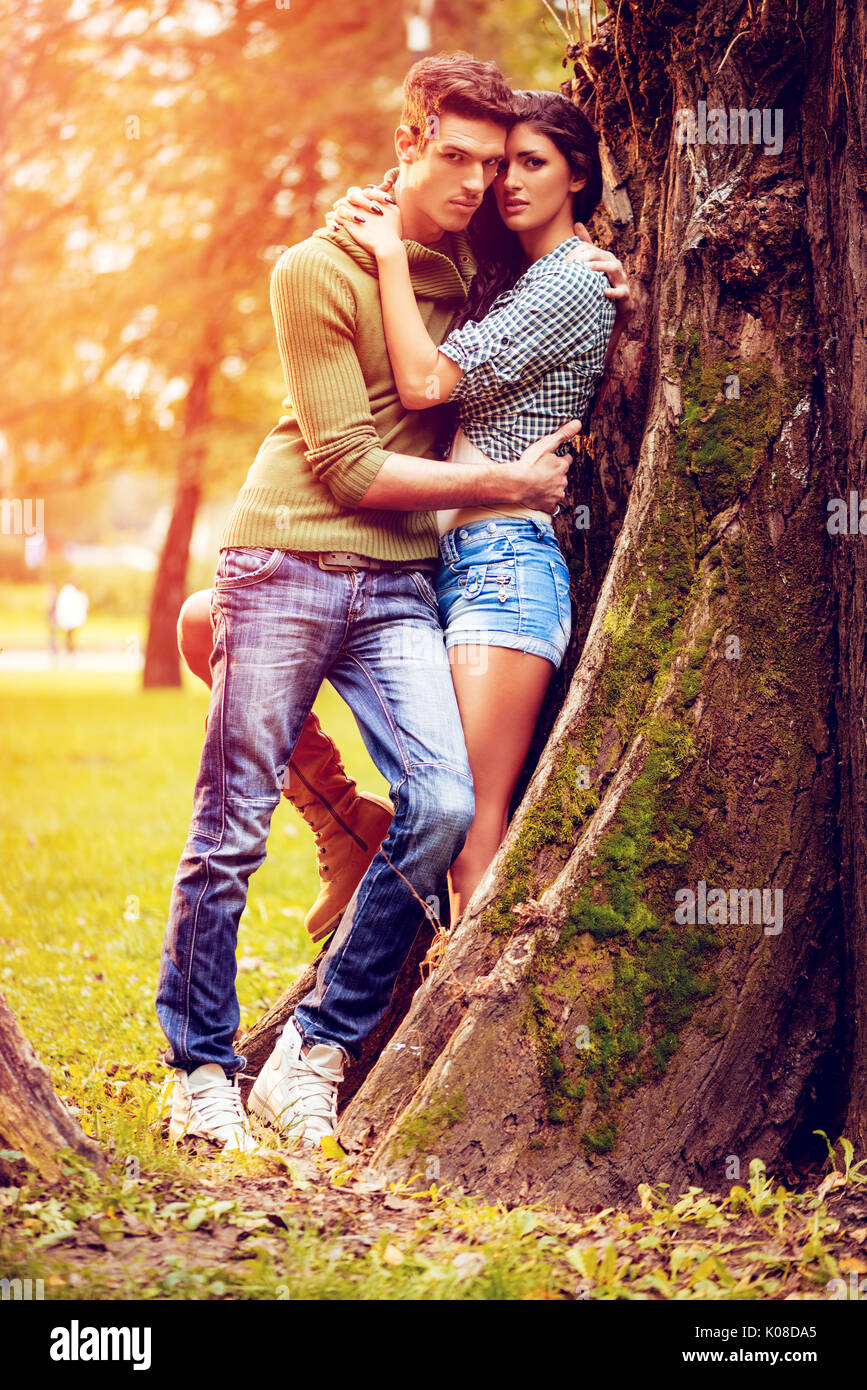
column 344, row 415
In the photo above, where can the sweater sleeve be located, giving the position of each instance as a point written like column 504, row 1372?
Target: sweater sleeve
column 314, row 314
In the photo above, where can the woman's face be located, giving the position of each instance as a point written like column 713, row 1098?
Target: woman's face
column 534, row 181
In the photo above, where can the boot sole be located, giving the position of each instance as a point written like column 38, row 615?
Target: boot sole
column 329, row 927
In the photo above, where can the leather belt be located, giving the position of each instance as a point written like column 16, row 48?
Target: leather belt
column 351, row 560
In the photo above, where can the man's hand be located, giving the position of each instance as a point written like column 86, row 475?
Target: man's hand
column 538, row 479
column 595, row 258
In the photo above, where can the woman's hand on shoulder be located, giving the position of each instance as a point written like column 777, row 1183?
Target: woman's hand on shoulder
column 371, row 215
column 595, row 258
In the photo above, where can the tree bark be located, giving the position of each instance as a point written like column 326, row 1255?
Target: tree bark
column 162, row 662
column 582, row 1034
column 835, row 177
column 33, row 1123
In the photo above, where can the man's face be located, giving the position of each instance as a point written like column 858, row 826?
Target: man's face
column 443, row 186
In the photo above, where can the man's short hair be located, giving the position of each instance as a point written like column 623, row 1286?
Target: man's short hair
column 457, row 83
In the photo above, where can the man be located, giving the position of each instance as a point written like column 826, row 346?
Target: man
column 324, row 573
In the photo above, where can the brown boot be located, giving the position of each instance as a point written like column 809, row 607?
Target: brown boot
column 349, row 826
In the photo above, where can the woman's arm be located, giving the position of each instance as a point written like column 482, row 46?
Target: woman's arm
column 424, row 377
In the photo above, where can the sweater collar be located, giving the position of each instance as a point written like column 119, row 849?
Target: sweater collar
column 433, row 273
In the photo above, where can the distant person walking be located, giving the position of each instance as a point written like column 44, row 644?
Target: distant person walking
column 70, row 613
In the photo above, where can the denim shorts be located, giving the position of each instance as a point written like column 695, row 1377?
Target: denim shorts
column 505, row 583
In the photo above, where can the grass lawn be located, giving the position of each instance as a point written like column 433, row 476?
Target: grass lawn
column 97, row 780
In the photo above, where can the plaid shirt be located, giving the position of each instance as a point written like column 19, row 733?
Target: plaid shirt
column 534, row 361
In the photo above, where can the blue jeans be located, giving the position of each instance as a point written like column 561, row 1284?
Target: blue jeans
column 282, row 625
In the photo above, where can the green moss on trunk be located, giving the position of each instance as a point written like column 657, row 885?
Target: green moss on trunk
column 659, row 971
column 420, row 1132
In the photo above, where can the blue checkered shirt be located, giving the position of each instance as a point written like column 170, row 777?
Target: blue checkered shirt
column 534, row 360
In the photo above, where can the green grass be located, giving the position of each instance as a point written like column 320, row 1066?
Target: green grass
column 163, row 1235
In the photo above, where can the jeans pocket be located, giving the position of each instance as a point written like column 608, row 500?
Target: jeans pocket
column 426, row 590
column 242, row 565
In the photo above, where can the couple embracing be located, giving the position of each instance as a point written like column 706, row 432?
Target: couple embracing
column 431, row 592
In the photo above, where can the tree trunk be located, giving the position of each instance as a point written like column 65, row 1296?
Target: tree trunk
column 584, row 1032
column 33, row 1123
column 162, row 663
column 835, row 175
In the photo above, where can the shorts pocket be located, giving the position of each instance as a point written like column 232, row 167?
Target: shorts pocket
column 473, row 581
column 564, row 601
column 240, row 566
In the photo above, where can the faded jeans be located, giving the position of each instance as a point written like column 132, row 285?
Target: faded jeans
column 282, row 626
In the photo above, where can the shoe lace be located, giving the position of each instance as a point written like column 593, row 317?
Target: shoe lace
column 321, row 850
column 317, row 835
column 317, row 1094
column 219, row 1104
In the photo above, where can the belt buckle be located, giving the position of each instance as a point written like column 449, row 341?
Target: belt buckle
column 337, row 560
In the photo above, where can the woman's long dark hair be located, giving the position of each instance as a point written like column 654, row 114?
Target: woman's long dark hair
column 497, row 249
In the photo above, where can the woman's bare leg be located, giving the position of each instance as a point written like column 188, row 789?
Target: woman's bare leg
column 196, row 635
column 500, row 694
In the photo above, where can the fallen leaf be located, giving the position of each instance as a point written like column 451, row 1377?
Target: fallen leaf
column 330, row 1147
column 829, row 1183
column 394, row 1203
column 468, row 1263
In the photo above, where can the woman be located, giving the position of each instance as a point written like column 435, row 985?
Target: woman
column 526, row 356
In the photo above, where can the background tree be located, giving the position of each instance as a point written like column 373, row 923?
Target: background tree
column 288, row 160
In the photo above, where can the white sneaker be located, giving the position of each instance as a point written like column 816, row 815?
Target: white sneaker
column 206, row 1104
column 298, row 1094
